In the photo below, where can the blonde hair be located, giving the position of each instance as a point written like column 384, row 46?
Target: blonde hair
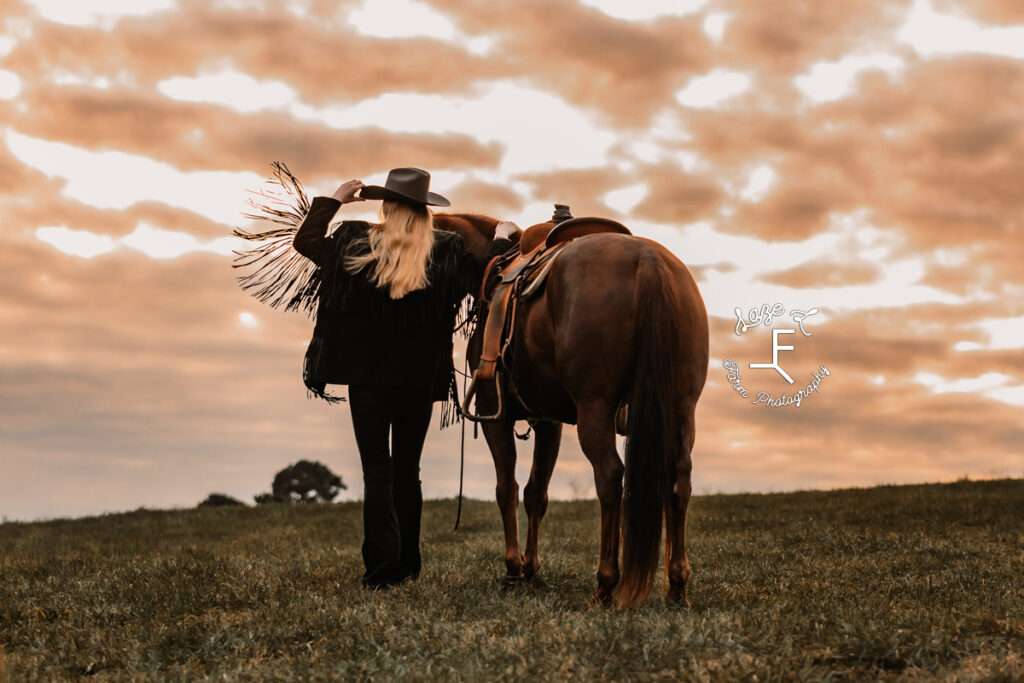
column 399, row 249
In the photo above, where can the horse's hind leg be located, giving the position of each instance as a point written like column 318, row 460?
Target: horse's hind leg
column 503, row 451
column 597, row 439
column 678, row 564
column 535, row 497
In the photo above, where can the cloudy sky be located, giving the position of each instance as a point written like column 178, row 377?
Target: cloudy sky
column 861, row 158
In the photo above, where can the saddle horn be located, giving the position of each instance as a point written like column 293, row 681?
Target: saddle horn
column 562, row 213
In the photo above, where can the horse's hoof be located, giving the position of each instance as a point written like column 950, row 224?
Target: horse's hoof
column 678, row 597
column 512, row 583
column 601, row 599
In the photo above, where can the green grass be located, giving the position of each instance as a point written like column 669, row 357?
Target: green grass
column 909, row 582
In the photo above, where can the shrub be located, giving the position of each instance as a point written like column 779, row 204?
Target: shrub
column 216, row 500
column 304, row 482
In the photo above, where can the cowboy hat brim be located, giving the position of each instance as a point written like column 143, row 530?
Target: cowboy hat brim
column 378, row 192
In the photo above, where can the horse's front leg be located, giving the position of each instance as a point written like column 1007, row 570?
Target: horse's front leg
column 535, row 497
column 499, row 436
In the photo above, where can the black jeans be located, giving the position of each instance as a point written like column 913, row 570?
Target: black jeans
column 392, row 498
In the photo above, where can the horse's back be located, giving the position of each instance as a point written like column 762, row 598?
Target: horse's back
column 604, row 267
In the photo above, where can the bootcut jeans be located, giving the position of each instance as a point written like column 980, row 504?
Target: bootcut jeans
column 392, row 497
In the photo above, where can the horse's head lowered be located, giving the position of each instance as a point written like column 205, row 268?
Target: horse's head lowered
column 476, row 230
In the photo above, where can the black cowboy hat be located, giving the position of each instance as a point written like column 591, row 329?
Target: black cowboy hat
column 405, row 185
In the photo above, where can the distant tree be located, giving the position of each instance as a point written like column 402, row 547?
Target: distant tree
column 303, row 482
column 216, row 500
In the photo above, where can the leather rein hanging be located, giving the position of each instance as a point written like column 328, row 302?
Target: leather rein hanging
column 462, row 445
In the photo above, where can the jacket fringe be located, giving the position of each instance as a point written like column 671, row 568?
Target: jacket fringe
column 278, row 275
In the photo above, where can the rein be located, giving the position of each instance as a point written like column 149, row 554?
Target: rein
column 462, row 447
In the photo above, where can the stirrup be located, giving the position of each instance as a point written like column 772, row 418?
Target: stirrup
column 464, row 408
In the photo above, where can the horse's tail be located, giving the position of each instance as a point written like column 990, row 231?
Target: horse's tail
column 652, row 428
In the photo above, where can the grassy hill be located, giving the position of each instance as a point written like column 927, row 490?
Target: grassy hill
column 890, row 582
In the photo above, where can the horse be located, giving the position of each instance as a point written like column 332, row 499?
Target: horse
column 619, row 322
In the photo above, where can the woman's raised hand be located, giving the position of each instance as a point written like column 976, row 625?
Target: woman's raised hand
column 505, row 230
column 346, row 192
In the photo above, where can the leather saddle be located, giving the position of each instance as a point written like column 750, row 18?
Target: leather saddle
column 517, row 276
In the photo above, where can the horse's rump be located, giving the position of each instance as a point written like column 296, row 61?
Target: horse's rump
column 589, row 305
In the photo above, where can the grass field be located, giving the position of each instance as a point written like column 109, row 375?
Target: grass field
column 910, row 582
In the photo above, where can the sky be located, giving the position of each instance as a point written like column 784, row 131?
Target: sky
column 859, row 159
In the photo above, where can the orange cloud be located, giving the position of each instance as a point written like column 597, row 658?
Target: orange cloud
column 204, row 136
column 676, row 196
column 824, row 274
column 782, row 37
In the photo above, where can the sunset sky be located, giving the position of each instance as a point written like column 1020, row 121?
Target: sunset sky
column 865, row 158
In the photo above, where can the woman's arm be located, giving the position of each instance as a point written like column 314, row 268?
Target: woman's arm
column 311, row 238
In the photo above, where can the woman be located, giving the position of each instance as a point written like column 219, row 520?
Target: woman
column 386, row 312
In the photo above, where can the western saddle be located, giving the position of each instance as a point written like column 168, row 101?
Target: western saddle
column 517, row 276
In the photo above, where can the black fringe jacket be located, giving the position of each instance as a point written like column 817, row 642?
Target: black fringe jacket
column 362, row 335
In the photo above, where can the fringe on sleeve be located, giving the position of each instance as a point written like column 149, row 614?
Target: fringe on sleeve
column 272, row 271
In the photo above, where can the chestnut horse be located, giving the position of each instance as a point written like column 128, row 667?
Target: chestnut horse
column 619, row 321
